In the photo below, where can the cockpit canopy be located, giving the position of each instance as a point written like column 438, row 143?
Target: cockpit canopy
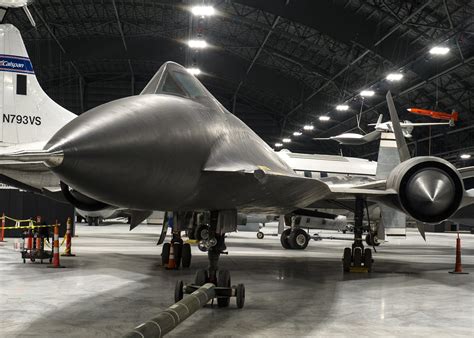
column 174, row 79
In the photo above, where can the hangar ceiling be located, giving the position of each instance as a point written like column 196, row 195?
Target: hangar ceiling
column 278, row 65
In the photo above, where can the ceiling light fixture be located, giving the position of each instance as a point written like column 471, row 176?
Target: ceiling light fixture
column 465, row 156
column 286, row 140
column 278, row 144
column 439, row 50
column 324, row 118
column 367, row 93
column 203, row 10
column 297, row 133
column 394, row 77
column 198, row 44
column 342, row 107
column 308, row 127
column 194, row 70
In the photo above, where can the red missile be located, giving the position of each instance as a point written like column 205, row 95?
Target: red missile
column 435, row 114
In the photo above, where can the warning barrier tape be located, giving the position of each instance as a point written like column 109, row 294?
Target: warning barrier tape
column 60, row 245
column 30, row 227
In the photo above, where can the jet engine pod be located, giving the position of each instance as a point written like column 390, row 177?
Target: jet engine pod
column 429, row 189
column 81, row 201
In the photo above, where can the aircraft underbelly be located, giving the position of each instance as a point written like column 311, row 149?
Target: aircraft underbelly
column 244, row 192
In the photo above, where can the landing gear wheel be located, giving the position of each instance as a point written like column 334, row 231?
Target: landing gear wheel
column 186, row 255
column 284, row 239
column 298, row 239
column 191, row 233
column 346, row 259
column 178, row 291
column 223, row 279
column 202, row 232
column 201, row 277
column 165, row 254
column 368, row 259
column 357, row 257
column 260, row 235
column 240, row 295
column 89, row 221
column 178, row 253
column 372, row 240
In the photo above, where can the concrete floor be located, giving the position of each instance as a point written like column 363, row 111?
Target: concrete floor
column 116, row 282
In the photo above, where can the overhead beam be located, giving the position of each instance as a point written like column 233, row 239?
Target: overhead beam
column 360, row 57
column 257, row 54
column 50, row 31
column 120, row 28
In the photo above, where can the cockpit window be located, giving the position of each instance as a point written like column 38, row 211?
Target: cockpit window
column 181, row 83
column 190, row 85
column 170, row 86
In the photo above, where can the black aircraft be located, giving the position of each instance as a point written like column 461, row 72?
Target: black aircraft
column 175, row 147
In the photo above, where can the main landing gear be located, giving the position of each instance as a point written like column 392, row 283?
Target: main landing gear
column 215, row 246
column 294, row 238
column 358, row 259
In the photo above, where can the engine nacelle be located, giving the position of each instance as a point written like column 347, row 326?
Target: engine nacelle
column 430, row 189
column 81, row 201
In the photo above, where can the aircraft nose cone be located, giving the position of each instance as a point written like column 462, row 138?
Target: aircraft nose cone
column 138, row 152
column 431, row 191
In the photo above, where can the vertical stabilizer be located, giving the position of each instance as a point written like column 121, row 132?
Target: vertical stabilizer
column 28, row 114
column 393, row 222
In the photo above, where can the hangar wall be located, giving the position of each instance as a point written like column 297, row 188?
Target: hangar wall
column 21, row 204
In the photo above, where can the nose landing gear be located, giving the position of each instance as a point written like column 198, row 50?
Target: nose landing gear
column 214, row 244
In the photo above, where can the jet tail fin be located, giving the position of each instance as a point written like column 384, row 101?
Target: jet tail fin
column 397, row 129
column 393, row 222
column 28, row 114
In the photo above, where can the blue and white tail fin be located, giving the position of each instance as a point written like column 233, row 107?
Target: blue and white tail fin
column 28, row 114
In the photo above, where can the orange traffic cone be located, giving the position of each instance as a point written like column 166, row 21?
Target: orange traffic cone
column 2, row 230
column 67, row 251
column 56, row 248
column 458, row 266
column 171, row 261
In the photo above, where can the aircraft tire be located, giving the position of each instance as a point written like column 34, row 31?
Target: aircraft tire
column 240, row 295
column 346, row 259
column 284, row 239
column 223, row 280
column 186, row 255
column 371, row 240
column 178, row 253
column 260, row 235
column 178, row 291
column 298, row 239
column 368, row 259
column 165, row 254
column 89, row 221
column 201, row 277
column 202, row 232
column 357, row 257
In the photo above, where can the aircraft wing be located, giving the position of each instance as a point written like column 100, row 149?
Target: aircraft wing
column 290, row 191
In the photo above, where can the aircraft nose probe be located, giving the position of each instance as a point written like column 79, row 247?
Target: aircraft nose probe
column 51, row 158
